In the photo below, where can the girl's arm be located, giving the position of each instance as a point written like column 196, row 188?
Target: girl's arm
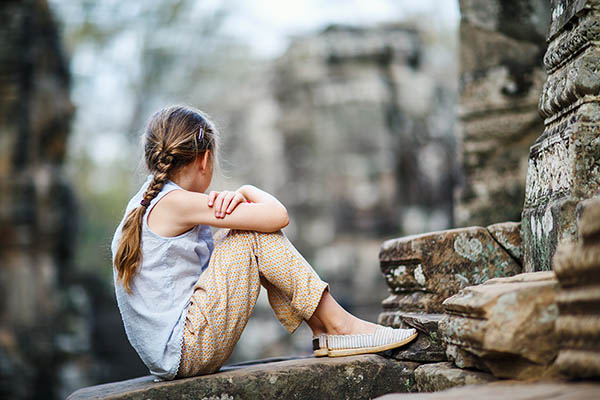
column 183, row 210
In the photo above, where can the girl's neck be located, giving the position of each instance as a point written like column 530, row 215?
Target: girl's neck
column 191, row 179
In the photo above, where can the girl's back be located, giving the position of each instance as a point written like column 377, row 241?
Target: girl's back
column 154, row 312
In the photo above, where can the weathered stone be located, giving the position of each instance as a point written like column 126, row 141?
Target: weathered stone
column 508, row 235
column 357, row 377
column 434, row 266
column 573, row 85
column 353, row 80
column 570, row 42
column 589, row 224
column 510, row 390
column 505, row 326
column 501, row 75
column 412, row 302
column 464, row 359
column 37, row 218
column 563, row 11
column 441, row 376
column 428, row 346
column 577, row 268
column 564, row 163
column 564, row 169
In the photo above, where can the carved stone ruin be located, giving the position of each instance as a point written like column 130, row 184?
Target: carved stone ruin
column 36, row 202
column 564, row 162
column 423, row 270
column 504, row 326
column 577, row 267
column 501, row 75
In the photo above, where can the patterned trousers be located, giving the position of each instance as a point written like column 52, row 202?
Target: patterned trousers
column 226, row 293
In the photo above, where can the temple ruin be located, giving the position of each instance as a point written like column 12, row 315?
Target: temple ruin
column 512, row 293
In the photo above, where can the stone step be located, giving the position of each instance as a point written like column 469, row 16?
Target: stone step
column 441, row 376
column 577, row 266
column 510, row 390
column 505, row 326
column 423, row 270
column 428, row 347
column 356, row 377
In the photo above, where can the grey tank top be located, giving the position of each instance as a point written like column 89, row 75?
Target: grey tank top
column 154, row 313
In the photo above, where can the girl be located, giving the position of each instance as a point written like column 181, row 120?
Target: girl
column 185, row 298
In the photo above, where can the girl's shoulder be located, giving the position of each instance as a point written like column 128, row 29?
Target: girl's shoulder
column 169, row 217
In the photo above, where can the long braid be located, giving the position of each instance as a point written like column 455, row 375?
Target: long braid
column 172, row 140
column 129, row 253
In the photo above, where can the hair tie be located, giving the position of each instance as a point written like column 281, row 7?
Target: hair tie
column 200, row 134
column 145, row 203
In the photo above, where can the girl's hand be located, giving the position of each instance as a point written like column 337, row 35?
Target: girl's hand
column 224, row 202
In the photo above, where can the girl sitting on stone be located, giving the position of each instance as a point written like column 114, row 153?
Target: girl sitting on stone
column 185, row 298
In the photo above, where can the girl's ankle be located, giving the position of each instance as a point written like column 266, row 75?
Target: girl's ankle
column 341, row 327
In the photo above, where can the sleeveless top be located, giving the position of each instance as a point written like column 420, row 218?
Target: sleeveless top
column 154, row 313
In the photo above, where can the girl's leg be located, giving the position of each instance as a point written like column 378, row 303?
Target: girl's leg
column 316, row 326
column 226, row 293
column 337, row 321
column 223, row 299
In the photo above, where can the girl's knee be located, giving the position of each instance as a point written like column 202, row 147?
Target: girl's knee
column 252, row 235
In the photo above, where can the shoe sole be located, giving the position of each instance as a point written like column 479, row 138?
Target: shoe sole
column 320, row 353
column 370, row 350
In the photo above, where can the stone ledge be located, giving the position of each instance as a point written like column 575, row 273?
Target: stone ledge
column 357, row 377
column 510, row 390
column 505, row 326
column 428, row 347
column 444, row 375
column 424, row 270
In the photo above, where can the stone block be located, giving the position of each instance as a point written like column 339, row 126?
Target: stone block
column 488, row 63
column 571, row 42
column 525, row 19
column 510, row 390
column 564, row 11
column 504, row 326
column 441, row 376
column 356, row 377
column 428, row 347
column 423, row 270
column 508, row 235
column 577, row 267
column 589, row 222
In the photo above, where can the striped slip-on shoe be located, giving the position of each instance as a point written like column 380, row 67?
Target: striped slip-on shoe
column 320, row 345
column 384, row 338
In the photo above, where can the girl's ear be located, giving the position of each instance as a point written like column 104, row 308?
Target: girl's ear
column 205, row 160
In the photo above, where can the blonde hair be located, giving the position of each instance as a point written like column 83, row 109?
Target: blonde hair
column 174, row 137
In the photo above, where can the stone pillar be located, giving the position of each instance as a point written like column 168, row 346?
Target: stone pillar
column 36, row 203
column 564, row 162
column 501, row 75
column 577, row 267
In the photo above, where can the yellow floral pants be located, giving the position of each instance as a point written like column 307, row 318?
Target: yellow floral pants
column 226, row 293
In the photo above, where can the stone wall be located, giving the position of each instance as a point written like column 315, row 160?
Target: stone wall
column 36, row 203
column 501, row 76
column 564, row 162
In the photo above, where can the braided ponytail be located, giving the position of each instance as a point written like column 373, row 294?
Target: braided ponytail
column 171, row 142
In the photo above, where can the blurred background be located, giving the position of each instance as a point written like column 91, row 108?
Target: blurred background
column 344, row 110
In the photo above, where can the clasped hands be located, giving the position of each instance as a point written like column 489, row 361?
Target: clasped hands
column 225, row 202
